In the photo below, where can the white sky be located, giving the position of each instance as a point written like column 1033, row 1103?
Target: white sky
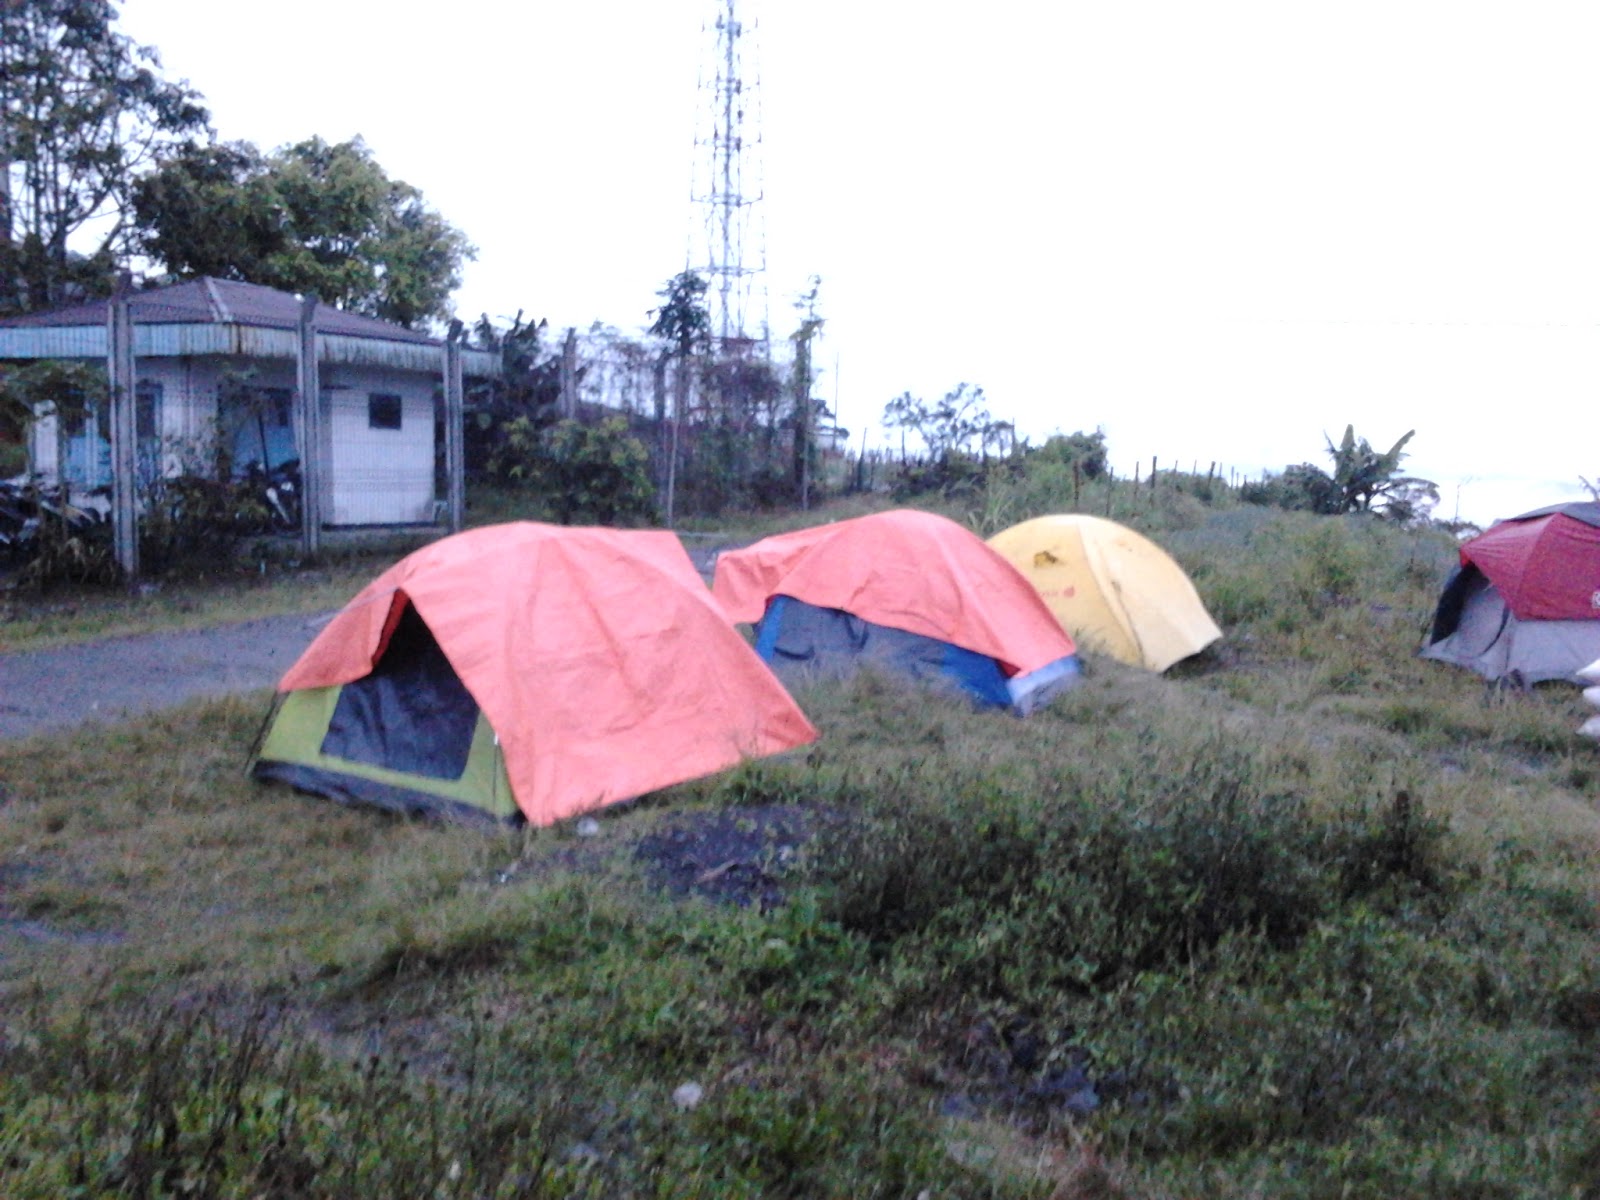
column 1218, row 230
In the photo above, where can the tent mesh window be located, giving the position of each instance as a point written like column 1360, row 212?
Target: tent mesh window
column 411, row 714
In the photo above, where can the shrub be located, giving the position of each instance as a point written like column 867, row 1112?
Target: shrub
column 597, row 473
column 1130, row 869
column 193, row 521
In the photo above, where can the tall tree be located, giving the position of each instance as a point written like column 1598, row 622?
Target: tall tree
column 313, row 217
column 210, row 209
column 805, row 408
column 684, row 321
column 82, row 112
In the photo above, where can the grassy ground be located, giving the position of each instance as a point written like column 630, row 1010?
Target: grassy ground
column 1308, row 918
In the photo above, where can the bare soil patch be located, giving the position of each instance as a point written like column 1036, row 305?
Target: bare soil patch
column 730, row 855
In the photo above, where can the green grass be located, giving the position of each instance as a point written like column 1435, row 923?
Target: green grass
column 1315, row 918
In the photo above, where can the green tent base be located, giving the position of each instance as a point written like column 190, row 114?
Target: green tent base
column 293, row 753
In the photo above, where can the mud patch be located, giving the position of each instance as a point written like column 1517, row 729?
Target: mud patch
column 743, row 856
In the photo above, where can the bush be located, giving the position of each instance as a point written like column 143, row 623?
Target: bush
column 192, row 521
column 597, row 473
column 1128, row 870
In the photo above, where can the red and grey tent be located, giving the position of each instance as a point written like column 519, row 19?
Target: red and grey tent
column 1525, row 600
column 526, row 670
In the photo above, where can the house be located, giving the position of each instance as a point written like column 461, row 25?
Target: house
column 215, row 363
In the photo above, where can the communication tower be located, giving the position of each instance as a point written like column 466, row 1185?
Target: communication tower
column 727, row 240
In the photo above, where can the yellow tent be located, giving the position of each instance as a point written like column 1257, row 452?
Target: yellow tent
column 1112, row 589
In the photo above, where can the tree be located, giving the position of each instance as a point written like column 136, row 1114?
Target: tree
column 1365, row 478
column 805, row 408
column 952, row 425
column 683, row 319
column 528, row 389
column 1085, row 452
column 1362, row 480
column 312, row 217
column 47, row 387
column 209, row 209
column 685, row 322
column 82, row 112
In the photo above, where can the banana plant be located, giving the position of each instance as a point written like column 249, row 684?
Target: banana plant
column 1364, row 477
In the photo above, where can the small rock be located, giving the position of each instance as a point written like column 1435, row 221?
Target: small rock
column 687, row 1096
column 588, row 827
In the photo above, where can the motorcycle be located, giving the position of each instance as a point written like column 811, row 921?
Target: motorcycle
column 277, row 490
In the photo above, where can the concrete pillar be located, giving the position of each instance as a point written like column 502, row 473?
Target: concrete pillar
column 308, row 439
column 124, row 434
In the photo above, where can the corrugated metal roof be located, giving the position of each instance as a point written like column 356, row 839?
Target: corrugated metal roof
column 220, row 316
column 223, row 302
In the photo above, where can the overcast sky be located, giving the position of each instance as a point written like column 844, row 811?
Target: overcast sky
column 1217, row 230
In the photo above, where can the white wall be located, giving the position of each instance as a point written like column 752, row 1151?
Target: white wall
column 378, row 476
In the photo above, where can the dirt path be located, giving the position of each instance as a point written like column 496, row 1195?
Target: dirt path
column 43, row 691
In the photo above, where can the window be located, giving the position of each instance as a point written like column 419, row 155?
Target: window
column 147, row 398
column 383, row 410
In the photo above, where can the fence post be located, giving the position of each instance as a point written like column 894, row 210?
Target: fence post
column 308, row 428
column 124, row 433
column 455, row 457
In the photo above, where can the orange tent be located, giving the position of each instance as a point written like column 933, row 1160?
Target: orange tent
column 903, row 570
column 593, row 664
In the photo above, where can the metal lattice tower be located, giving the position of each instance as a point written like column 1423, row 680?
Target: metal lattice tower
column 727, row 241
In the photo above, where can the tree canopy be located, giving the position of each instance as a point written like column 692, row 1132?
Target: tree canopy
column 313, row 217
column 683, row 318
column 82, row 112
column 952, row 425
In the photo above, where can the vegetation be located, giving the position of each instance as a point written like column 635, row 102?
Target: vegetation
column 958, row 424
column 82, row 112
column 1362, row 480
column 1307, row 918
column 31, row 390
column 596, row 474
column 315, row 218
